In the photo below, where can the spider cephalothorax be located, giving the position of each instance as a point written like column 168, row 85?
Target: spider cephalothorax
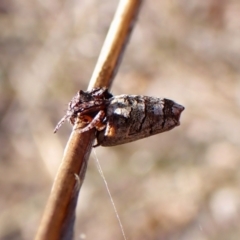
column 88, row 107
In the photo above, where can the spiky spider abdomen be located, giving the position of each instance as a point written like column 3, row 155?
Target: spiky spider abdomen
column 132, row 117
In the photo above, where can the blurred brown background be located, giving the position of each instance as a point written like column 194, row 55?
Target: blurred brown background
column 183, row 184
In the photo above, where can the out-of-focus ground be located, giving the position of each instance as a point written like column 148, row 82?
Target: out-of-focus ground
column 183, row 184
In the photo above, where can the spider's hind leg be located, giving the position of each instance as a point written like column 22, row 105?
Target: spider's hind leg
column 96, row 122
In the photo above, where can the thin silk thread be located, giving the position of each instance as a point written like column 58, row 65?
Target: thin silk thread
column 109, row 193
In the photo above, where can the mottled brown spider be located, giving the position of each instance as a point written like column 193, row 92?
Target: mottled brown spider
column 123, row 118
column 88, row 107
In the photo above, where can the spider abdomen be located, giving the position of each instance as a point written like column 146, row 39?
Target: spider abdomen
column 132, row 117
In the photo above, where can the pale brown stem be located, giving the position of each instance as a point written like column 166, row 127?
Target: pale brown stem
column 58, row 218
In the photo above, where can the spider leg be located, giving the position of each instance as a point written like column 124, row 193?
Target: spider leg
column 97, row 143
column 96, row 122
column 60, row 123
column 83, row 119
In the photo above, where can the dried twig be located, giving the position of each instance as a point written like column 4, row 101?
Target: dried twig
column 58, row 218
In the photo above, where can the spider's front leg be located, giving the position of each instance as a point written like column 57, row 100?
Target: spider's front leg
column 96, row 122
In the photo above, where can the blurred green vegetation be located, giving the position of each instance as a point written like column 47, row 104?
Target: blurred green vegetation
column 183, row 184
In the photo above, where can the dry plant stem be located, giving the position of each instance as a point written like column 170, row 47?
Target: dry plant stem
column 58, row 218
column 61, row 204
column 115, row 43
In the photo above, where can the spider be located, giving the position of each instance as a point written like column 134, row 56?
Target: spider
column 88, row 107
